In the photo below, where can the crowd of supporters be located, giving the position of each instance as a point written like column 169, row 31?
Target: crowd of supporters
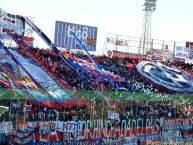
column 135, row 82
column 20, row 110
column 76, row 78
column 182, row 65
column 158, row 109
column 80, row 80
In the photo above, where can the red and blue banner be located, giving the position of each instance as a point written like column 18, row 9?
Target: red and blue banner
column 91, row 69
column 98, row 132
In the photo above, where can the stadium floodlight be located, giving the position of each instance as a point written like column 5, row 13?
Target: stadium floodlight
column 146, row 42
column 150, row 5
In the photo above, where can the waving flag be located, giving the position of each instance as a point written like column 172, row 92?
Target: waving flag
column 91, row 69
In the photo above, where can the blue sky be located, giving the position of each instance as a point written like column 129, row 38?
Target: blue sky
column 171, row 21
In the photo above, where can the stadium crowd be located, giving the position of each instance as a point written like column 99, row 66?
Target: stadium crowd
column 182, row 65
column 20, row 110
column 158, row 109
column 80, row 80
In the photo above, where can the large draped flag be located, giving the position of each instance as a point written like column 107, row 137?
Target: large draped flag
column 91, row 69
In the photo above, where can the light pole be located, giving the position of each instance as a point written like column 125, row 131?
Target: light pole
column 146, row 42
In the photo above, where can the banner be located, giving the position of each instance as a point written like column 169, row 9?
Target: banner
column 189, row 44
column 63, row 38
column 170, row 79
column 118, row 42
column 191, row 53
column 128, row 55
column 121, row 42
column 178, row 124
column 11, row 26
column 130, row 131
column 177, row 130
column 11, row 22
column 69, row 126
column 181, row 52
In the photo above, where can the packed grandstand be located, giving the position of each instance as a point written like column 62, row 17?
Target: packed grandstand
column 62, row 96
